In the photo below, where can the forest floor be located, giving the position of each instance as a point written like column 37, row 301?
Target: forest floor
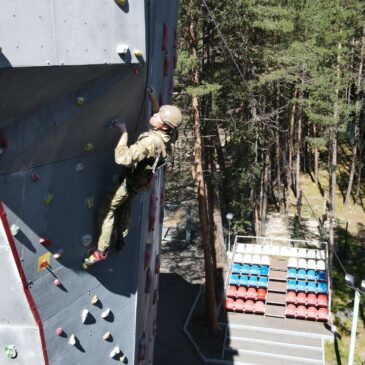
column 351, row 251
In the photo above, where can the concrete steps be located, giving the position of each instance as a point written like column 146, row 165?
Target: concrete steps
column 250, row 346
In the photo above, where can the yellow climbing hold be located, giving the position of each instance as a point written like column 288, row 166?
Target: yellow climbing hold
column 138, row 53
column 88, row 147
column 95, row 300
column 107, row 336
column 48, row 199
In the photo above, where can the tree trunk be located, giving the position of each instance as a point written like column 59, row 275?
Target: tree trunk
column 359, row 106
column 291, row 145
column 316, row 155
column 333, row 166
column 298, row 148
column 210, row 302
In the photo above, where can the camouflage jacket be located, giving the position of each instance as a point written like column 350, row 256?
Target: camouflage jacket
column 142, row 156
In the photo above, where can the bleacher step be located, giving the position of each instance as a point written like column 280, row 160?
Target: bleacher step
column 277, row 286
column 289, row 339
column 273, row 310
column 275, row 298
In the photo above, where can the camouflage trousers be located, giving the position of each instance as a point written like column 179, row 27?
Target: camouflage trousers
column 115, row 213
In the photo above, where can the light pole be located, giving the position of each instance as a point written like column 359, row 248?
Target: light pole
column 350, row 281
column 229, row 217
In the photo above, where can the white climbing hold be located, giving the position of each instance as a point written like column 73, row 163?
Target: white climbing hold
column 79, row 167
column 11, row 351
column 107, row 336
column 86, row 240
column 72, row 340
column 80, row 100
column 90, row 202
column 84, row 315
column 95, row 300
column 122, row 49
column 14, row 229
column 58, row 254
column 116, row 351
column 106, row 313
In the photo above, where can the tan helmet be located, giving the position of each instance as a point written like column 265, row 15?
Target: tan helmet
column 171, row 115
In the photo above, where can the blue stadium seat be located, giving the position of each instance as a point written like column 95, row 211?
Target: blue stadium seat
column 263, row 282
column 234, row 280
column 245, row 269
column 322, row 288
column 302, row 286
column 264, row 271
column 321, row 275
column 311, row 287
column 292, row 273
column 292, row 285
column 302, row 274
column 255, row 270
column 236, row 268
column 244, row 280
column 253, row 281
column 311, row 275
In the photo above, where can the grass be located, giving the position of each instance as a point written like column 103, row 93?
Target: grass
column 351, row 243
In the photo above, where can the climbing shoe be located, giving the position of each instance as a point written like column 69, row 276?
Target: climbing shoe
column 93, row 257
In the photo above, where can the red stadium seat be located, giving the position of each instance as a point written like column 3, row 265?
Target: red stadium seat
column 228, row 304
column 232, row 292
column 322, row 314
column 291, row 297
column 312, row 313
column 249, row 306
column 241, row 292
column 251, row 293
column 301, row 299
column 301, row 312
column 259, row 307
column 239, row 305
column 290, row 310
column 312, row 299
column 261, row 294
column 322, row 300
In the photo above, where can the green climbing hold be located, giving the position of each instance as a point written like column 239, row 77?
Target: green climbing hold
column 11, row 351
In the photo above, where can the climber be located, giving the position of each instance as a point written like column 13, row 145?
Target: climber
column 140, row 160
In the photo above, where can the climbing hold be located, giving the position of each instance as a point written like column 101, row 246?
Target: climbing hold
column 90, row 202
column 86, row 240
column 95, row 300
column 44, row 264
column 148, row 281
column 57, row 282
column 88, row 147
column 44, row 261
column 80, row 100
column 108, row 336
column 142, row 347
column 166, row 66
column 79, row 167
column 84, row 315
column 48, row 199
column 59, row 331
column 44, row 241
column 122, row 49
column 112, row 123
column 58, row 254
column 116, row 351
column 164, row 37
column 35, row 177
column 3, row 144
column 137, row 71
column 11, row 351
column 157, row 264
column 147, row 254
column 14, row 229
column 138, row 53
column 72, row 340
column 106, row 313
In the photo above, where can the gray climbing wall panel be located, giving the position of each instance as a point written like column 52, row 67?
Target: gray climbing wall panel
column 56, row 164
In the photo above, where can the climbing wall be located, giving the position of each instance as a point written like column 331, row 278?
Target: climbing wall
column 67, row 71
